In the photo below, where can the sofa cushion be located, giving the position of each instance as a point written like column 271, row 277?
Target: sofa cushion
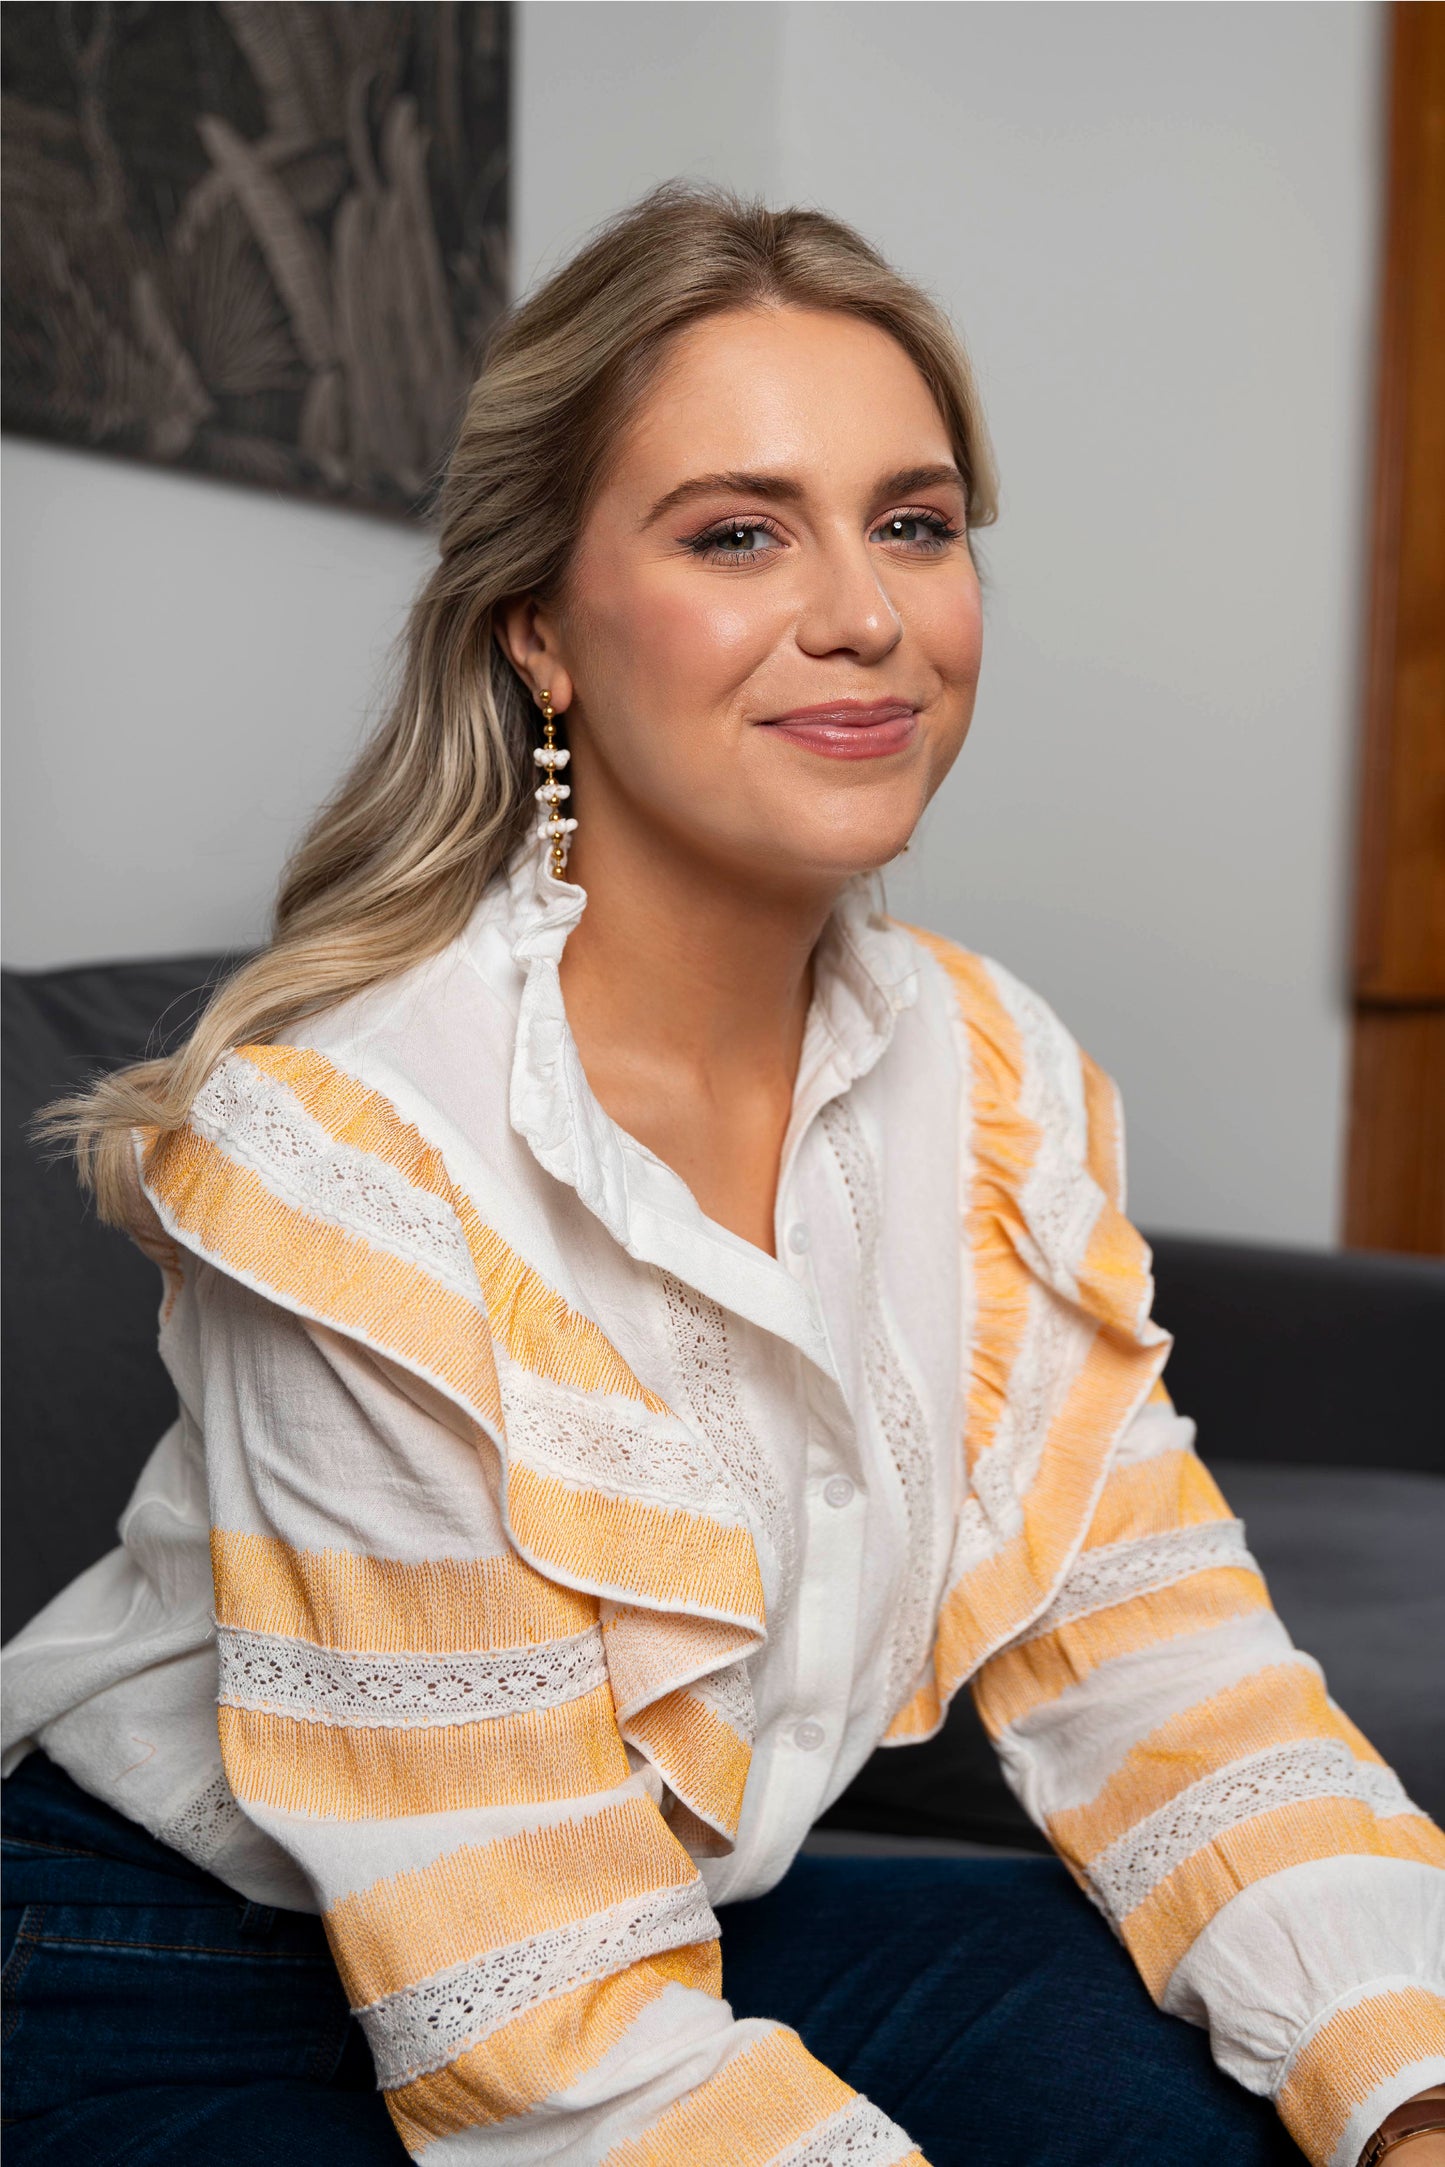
column 84, row 1393
column 1310, row 1357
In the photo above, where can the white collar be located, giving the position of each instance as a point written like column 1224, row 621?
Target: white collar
column 865, row 975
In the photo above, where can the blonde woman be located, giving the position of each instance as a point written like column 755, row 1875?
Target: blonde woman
column 647, row 1327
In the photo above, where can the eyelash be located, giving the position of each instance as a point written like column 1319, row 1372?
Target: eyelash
column 706, row 546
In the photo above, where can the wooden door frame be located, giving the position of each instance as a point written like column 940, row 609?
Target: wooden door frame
column 1395, row 1177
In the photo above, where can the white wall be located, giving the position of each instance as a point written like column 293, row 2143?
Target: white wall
column 187, row 667
column 1155, row 225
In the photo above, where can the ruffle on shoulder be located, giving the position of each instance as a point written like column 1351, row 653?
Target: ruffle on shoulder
column 1062, row 1350
column 306, row 1185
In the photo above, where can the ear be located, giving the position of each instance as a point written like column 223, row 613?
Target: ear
column 528, row 637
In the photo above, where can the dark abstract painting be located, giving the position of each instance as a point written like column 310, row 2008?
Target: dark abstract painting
column 265, row 240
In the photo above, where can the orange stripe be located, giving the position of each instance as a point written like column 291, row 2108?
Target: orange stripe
column 648, row 1653
column 1359, row 2049
column 1153, row 1497
column 1175, row 1912
column 1114, row 1276
column 330, row 1274
column 764, row 2099
column 679, row 1560
column 341, row 1599
column 672, row 1558
column 532, row 1322
column 1104, row 1152
column 546, row 2049
column 355, row 1774
column 485, row 1896
column 702, row 1757
column 1004, row 1147
column 983, row 1607
column 1270, row 1707
column 1019, row 1679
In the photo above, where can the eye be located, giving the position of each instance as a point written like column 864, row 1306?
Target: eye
column 734, row 542
column 928, row 531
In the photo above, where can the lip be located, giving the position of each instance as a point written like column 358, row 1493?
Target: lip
column 849, row 729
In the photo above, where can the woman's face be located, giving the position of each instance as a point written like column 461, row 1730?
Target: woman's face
column 782, row 530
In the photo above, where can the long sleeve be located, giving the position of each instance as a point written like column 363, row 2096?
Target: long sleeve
column 424, row 1723
column 1263, row 1866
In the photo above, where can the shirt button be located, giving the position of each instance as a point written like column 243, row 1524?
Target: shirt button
column 799, row 1239
column 838, row 1492
column 809, row 1736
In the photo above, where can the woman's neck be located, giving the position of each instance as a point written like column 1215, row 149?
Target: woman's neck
column 687, row 992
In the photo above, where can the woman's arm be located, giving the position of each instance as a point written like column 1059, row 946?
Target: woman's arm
column 425, row 1724
column 1261, row 1863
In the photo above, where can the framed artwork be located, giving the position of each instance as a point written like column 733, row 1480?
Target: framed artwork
column 263, row 240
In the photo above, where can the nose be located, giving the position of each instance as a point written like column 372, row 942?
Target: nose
column 846, row 609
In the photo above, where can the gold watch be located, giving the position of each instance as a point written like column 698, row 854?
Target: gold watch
column 1412, row 2118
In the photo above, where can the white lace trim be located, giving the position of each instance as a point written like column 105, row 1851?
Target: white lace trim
column 423, row 2027
column 326, row 1685
column 858, row 2135
column 729, row 1694
column 1280, row 1776
column 203, row 1824
column 697, row 1329
column 1120, row 1570
column 1052, row 1094
column 619, row 1447
column 260, row 1122
column 900, row 1415
column 1057, row 1344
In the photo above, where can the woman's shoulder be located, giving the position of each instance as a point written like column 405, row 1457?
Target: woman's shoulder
column 1024, row 1067
column 991, row 1001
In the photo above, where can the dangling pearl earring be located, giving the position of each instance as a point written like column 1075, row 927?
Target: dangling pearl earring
column 552, row 830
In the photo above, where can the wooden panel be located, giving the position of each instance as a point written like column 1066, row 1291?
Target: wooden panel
column 1396, row 1162
column 1400, row 953
column 1397, row 1131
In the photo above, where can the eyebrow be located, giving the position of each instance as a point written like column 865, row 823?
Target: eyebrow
column 787, row 489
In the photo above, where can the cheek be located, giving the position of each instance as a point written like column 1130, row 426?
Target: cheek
column 654, row 633
column 950, row 633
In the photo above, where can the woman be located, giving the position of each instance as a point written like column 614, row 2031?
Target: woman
column 646, row 1328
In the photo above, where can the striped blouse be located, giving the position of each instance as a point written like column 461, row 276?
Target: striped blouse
column 532, row 1559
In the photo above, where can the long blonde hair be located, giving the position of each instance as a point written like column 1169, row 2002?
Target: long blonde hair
column 393, row 865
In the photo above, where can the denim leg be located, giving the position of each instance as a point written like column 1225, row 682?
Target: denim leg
column 152, row 2015
column 986, row 2006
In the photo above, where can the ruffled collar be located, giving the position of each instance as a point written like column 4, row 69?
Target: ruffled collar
column 865, row 975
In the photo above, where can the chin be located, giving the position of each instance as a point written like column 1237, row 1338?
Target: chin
column 870, row 837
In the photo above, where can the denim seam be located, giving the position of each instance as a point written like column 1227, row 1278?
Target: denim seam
column 22, row 1842
column 254, row 1954
column 16, row 1966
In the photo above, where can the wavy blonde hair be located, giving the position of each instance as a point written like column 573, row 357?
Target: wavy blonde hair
column 393, row 865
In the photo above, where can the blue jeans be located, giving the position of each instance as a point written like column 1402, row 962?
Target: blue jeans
column 153, row 2018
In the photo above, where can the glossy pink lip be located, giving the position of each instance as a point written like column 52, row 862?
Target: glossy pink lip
column 849, row 729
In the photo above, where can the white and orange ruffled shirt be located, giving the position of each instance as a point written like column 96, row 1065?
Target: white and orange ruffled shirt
column 532, row 1559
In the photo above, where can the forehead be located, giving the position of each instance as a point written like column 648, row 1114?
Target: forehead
column 781, row 387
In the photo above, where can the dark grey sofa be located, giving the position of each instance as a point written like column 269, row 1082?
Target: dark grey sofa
column 1316, row 1380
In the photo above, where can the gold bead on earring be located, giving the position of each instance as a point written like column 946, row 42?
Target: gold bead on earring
column 553, row 832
